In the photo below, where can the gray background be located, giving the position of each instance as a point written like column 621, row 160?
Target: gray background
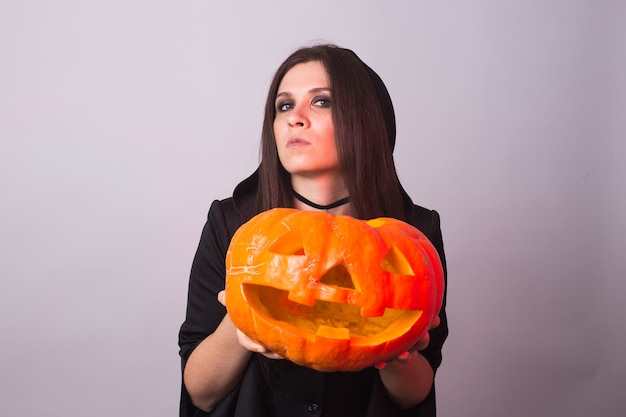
column 122, row 120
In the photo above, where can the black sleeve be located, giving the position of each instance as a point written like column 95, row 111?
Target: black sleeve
column 204, row 311
column 428, row 222
column 432, row 230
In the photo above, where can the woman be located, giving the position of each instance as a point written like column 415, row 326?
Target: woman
column 327, row 143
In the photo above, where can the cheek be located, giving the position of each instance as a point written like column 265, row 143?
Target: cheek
column 275, row 128
column 329, row 134
column 279, row 150
column 333, row 155
column 329, row 128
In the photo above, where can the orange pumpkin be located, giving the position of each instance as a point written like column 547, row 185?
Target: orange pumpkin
column 332, row 292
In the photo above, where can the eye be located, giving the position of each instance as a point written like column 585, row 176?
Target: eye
column 323, row 102
column 283, row 106
column 396, row 263
column 339, row 277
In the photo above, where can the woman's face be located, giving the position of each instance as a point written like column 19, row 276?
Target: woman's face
column 303, row 126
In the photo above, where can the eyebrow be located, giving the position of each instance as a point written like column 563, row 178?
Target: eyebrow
column 313, row 90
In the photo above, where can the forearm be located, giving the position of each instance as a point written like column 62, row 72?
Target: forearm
column 409, row 383
column 215, row 366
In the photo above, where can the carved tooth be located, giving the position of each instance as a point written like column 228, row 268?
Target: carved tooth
column 330, row 332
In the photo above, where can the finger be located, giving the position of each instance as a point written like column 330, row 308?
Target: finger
column 221, row 297
column 255, row 347
column 271, row 355
column 404, row 357
column 258, row 348
column 249, row 343
column 423, row 342
column 436, row 322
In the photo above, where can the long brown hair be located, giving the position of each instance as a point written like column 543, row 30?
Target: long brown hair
column 364, row 135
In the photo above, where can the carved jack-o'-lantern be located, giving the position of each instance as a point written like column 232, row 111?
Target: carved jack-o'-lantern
column 332, row 292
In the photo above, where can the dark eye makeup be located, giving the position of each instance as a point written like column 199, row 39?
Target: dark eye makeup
column 284, row 105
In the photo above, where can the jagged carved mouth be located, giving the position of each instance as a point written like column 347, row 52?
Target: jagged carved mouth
column 328, row 319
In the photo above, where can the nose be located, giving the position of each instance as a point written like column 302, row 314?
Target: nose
column 298, row 118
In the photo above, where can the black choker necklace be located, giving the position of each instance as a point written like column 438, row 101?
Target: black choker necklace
column 319, row 206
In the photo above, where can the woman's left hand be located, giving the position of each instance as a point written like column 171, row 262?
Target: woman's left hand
column 421, row 344
column 253, row 346
column 246, row 341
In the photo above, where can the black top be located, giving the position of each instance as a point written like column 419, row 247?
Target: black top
column 294, row 390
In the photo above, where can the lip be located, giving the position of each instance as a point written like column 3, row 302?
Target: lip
column 294, row 142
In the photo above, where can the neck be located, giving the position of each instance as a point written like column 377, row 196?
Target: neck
column 324, row 207
column 320, row 193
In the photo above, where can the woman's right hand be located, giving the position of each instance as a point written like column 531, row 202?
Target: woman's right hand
column 247, row 342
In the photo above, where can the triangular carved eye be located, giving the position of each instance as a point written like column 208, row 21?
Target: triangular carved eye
column 289, row 243
column 338, row 276
column 396, row 263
